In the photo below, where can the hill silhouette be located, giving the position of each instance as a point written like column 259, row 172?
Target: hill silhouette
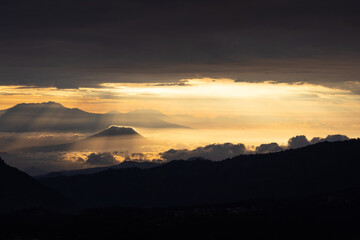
column 316, row 169
column 20, row 191
column 54, row 117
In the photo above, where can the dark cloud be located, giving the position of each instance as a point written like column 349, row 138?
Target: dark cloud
column 77, row 43
column 101, row 159
column 298, row 142
column 268, row 148
column 214, row 152
column 329, row 138
column 80, row 160
column 316, row 140
column 336, row 138
column 171, row 84
column 139, row 157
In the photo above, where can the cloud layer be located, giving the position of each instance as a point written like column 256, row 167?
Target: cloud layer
column 218, row 152
column 101, row 159
column 58, row 161
column 213, row 151
column 268, row 148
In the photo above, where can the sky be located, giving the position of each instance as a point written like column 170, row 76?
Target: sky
column 232, row 71
column 216, row 110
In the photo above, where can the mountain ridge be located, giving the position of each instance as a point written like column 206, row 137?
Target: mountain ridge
column 54, row 117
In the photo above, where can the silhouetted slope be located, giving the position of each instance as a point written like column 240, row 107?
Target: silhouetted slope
column 51, row 116
column 18, row 191
column 317, row 169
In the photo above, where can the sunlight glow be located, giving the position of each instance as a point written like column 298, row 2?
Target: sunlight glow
column 267, row 108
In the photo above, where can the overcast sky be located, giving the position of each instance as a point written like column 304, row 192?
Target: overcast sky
column 245, row 71
column 71, row 44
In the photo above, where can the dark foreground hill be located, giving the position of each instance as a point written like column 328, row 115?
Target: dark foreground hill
column 323, row 217
column 308, row 193
column 293, row 174
column 20, row 191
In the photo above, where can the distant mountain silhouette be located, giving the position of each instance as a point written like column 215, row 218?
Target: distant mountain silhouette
column 112, row 137
column 51, row 116
column 125, row 164
column 116, row 131
column 19, row 191
column 316, row 169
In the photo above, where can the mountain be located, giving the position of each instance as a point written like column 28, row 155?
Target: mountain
column 19, row 191
column 54, row 117
column 47, row 116
column 116, row 131
column 316, row 169
column 112, row 138
column 125, row 164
